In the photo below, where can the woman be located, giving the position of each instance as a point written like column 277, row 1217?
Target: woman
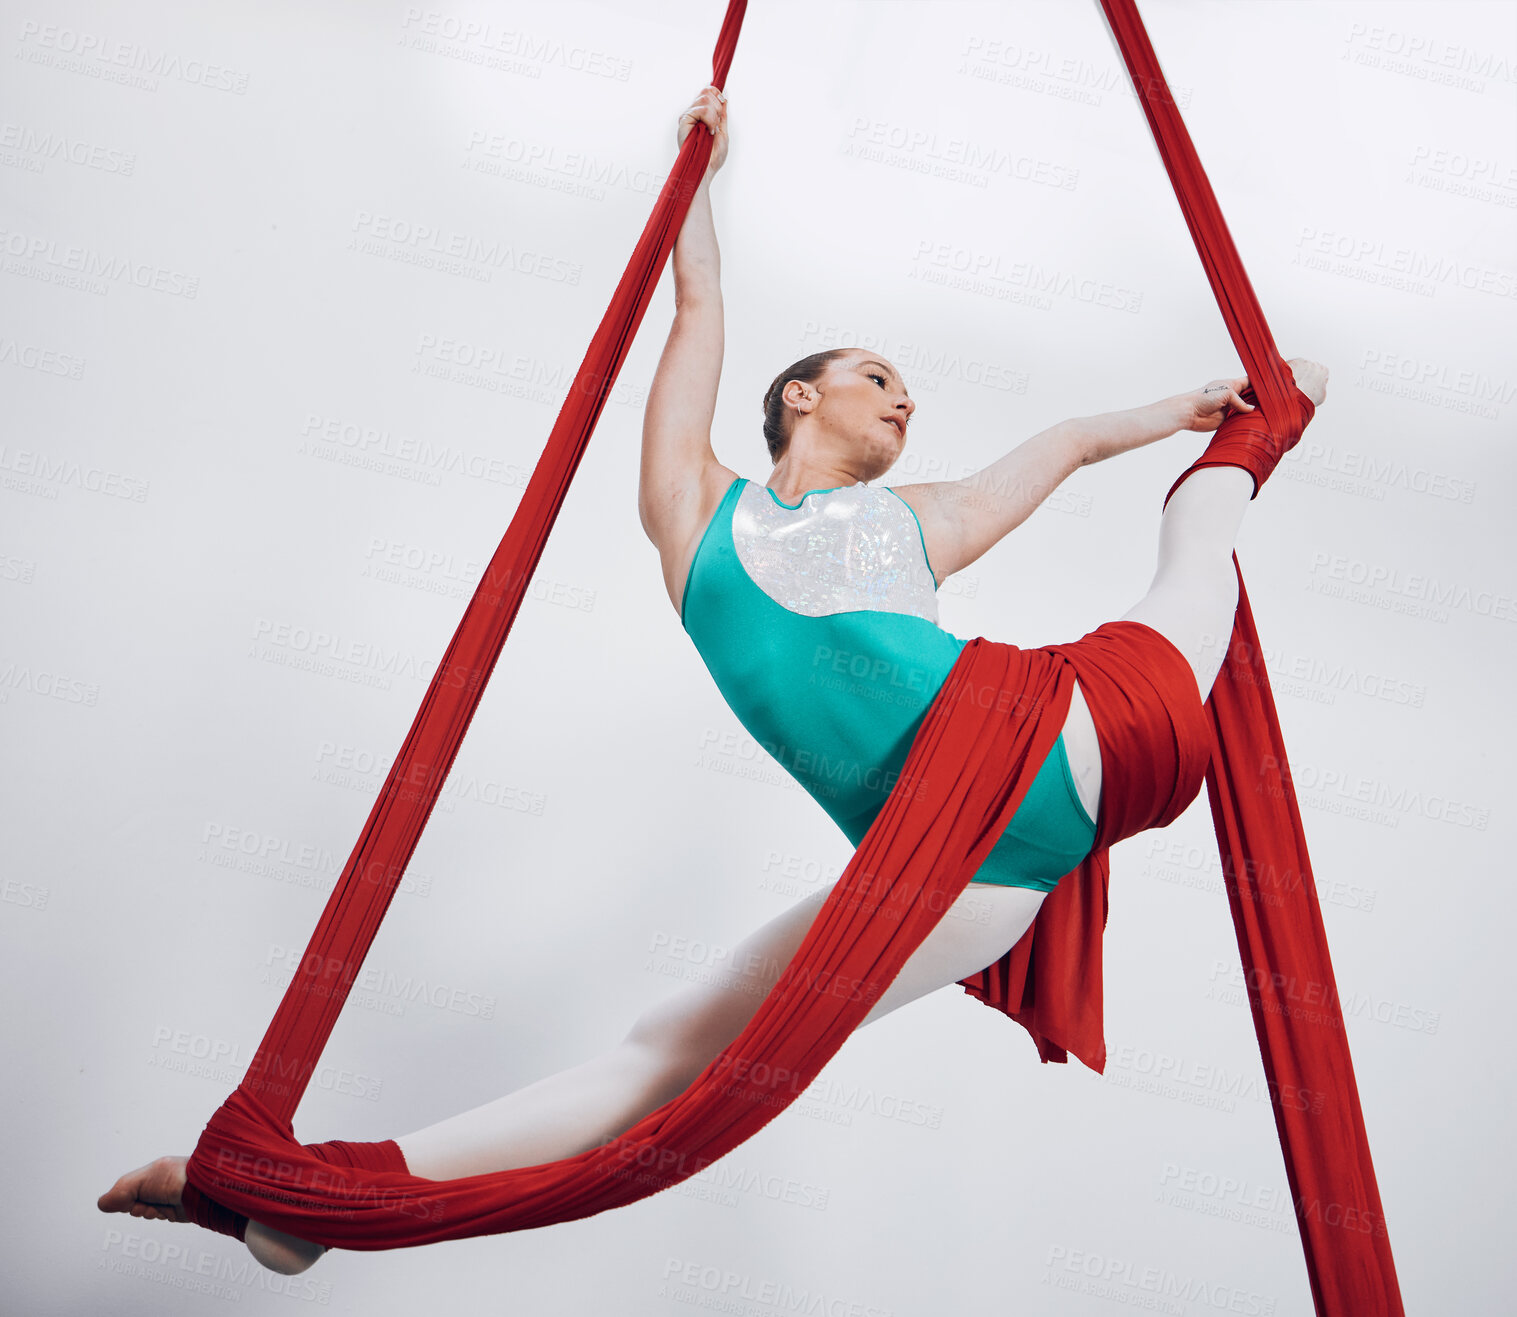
column 811, row 600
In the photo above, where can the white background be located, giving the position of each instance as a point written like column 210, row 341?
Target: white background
column 187, row 501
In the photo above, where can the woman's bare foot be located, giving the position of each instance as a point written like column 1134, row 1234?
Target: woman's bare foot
column 1311, row 379
column 155, row 1192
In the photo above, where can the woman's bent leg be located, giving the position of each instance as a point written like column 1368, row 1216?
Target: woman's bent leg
column 672, row 1042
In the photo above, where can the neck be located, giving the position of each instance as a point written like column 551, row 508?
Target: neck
column 794, row 474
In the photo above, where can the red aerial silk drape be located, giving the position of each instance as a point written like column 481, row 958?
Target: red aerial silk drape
column 1268, row 875
column 995, row 718
column 974, row 758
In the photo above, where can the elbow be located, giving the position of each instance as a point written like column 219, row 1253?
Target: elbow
column 644, row 516
column 1079, row 450
column 701, row 303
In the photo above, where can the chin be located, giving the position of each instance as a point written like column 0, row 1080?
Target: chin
column 882, row 464
column 877, row 458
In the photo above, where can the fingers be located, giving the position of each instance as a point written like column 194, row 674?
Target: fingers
column 1225, row 393
column 710, row 108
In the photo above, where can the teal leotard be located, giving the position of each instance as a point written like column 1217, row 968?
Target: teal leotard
column 818, row 622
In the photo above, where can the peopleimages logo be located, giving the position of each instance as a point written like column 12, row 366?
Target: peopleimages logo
column 1427, row 57
column 94, row 269
column 127, row 62
column 390, row 234
column 1373, row 260
column 45, row 361
column 1404, row 592
column 1152, row 1287
column 486, row 37
column 990, row 273
column 51, row 145
column 330, row 975
column 926, row 364
column 499, row 152
column 31, row 469
column 922, row 150
column 182, row 1265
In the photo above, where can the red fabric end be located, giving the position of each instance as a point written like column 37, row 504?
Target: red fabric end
column 1247, row 439
column 382, row 1156
column 1155, row 746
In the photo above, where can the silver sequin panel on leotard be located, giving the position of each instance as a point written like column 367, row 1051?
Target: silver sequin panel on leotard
column 841, row 550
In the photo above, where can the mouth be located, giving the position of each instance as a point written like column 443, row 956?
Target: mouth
column 900, row 426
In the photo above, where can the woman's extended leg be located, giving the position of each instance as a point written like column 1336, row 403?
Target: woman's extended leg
column 1194, row 593
column 672, row 1042
column 1190, row 602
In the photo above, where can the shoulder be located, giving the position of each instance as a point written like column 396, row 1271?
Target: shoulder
column 923, row 500
column 678, row 511
column 686, row 522
column 934, row 517
column 715, row 481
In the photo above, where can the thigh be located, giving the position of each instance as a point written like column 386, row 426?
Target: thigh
column 697, row 1022
column 1083, row 751
column 981, row 926
column 1197, row 619
column 694, row 1024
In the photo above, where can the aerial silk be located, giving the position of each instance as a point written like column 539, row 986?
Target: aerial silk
column 971, row 763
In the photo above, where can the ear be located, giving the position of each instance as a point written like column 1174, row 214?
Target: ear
column 799, row 395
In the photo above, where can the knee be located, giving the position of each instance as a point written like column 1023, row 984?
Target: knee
column 665, row 1050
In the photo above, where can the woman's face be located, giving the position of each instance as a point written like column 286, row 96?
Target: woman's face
column 862, row 406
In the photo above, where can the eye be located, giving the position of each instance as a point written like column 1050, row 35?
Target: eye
column 874, row 375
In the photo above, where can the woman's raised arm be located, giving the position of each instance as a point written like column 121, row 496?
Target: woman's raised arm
column 677, row 459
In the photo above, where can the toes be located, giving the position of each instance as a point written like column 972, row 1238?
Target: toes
column 119, row 1197
column 147, row 1192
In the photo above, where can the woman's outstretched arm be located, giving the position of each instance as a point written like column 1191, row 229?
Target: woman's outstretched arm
column 678, row 463
column 965, row 518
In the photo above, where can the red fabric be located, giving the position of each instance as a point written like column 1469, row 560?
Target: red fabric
column 967, row 771
column 1246, row 439
column 971, row 763
column 292, row 1045
column 1154, row 738
column 382, row 1156
column 1268, row 873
